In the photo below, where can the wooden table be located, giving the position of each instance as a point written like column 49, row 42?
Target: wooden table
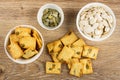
column 17, row 12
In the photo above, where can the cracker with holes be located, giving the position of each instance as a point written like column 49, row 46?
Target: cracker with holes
column 54, row 46
column 28, row 42
column 15, row 51
column 66, row 54
column 87, row 66
column 76, row 69
column 69, row 38
column 37, row 37
column 90, row 52
column 53, row 68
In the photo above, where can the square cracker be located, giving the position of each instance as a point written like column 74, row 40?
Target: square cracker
column 76, row 69
column 28, row 42
column 87, row 66
column 69, row 38
column 79, row 42
column 13, row 38
column 66, row 54
column 15, row 51
column 77, row 51
column 72, row 61
column 53, row 68
column 55, row 46
column 29, row 53
column 54, row 56
column 22, row 31
column 90, row 52
column 37, row 37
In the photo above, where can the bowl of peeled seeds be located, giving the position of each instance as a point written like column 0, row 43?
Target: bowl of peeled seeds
column 96, row 21
column 50, row 16
column 24, row 44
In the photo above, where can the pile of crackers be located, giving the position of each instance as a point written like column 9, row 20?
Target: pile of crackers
column 72, row 51
column 24, row 43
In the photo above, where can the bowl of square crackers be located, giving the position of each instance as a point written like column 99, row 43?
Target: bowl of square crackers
column 24, row 44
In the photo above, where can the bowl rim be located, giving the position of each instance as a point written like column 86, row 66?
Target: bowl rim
column 104, row 6
column 40, row 13
column 22, row 61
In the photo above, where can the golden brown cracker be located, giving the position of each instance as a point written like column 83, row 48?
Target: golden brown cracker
column 55, row 46
column 53, row 68
column 13, row 38
column 37, row 37
column 87, row 66
column 29, row 53
column 28, row 42
column 15, row 51
column 22, row 32
column 76, row 69
column 90, row 52
column 69, row 38
column 66, row 54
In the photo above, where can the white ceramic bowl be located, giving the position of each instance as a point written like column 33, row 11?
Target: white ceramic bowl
column 23, row 61
column 40, row 14
column 107, row 9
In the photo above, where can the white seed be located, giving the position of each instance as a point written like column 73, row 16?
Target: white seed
column 83, row 22
column 104, row 15
column 107, row 29
column 100, row 27
column 100, row 23
column 89, row 14
column 98, row 32
column 81, row 27
column 99, row 18
column 110, row 19
column 91, row 17
column 95, row 25
column 83, row 17
column 105, row 23
column 88, row 29
column 110, row 25
column 87, row 34
column 96, row 36
column 94, row 12
column 93, row 20
column 101, row 10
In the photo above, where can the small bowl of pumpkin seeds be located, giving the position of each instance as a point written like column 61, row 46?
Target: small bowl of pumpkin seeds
column 50, row 16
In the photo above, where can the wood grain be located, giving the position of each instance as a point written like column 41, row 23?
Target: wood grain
column 17, row 12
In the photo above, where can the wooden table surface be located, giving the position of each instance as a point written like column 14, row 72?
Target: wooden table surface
column 17, row 12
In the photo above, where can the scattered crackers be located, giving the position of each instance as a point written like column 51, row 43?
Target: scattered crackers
column 74, row 52
column 24, row 43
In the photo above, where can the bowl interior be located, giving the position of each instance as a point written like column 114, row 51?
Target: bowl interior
column 94, row 5
column 40, row 14
column 22, row 61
